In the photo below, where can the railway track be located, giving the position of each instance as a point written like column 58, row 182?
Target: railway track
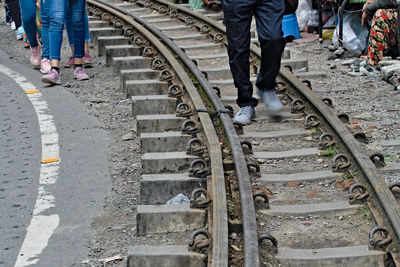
column 295, row 168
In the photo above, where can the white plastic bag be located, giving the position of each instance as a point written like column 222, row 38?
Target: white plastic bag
column 354, row 35
column 178, row 199
column 196, row 4
column 303, row 14
column 314, row 19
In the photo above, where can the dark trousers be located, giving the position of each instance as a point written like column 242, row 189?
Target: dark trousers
column 237, row 18
column 8, row 16
column 15, row 13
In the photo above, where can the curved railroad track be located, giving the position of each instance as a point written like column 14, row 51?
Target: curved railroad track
column 294, row 168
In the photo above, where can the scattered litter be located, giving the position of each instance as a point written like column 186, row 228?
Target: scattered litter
column 110, row 259
column 339, row 51
column 304, row 69
column 356, row 74
column 331, row 48
column 85, row 261
column 261, row 161
column 235, row 248
column 293, row 184
column 348, row 62
column 234, row 236
column 178, row 199
column 255, row 143
column 127, row 137
column 121, row 102
column 97, row 101
column 196, row 4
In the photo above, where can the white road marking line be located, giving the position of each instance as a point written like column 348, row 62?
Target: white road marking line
column 42, row 226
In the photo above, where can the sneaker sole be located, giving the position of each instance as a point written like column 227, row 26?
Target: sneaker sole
column 242, row 122
column 271, row 112
column 88, row 65
column 46, row 80
column 35, row 66
column 275, row 114
column 44, row 72
column 82, row 79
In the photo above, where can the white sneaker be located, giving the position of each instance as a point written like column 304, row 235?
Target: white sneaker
column 244, row 115
column 20, row 33
column 12, row 24
column 271, row 101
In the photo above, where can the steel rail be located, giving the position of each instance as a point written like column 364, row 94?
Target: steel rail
column 250, row 235
column 375, row 178
column 219, row 207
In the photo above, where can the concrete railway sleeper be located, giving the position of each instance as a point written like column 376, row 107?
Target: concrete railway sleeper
column 297, row 165
column 180, row 148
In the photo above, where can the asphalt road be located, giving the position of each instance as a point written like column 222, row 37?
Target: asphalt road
column 46, row 209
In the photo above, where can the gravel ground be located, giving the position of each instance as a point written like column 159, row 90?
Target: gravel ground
column 373, row 106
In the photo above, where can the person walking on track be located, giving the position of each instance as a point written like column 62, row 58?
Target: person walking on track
column 238, row 15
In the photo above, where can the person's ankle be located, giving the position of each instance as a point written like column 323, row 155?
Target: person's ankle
column 56, row 69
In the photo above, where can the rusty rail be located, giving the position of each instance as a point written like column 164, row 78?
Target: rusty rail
column 219, row 207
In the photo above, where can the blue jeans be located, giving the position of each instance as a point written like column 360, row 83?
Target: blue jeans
column 28, row 14
column 45, row 18
column 237, row 18
column 69, row 26
column 57, row 19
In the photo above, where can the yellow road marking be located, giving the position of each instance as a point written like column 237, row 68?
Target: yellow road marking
column 32, row 92
column 49, row 160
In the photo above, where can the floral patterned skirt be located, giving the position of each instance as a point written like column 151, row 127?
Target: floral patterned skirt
column 381, row 38
column 38, row 25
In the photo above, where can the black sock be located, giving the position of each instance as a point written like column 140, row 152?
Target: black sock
column 77, row 65
column 56, row 69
